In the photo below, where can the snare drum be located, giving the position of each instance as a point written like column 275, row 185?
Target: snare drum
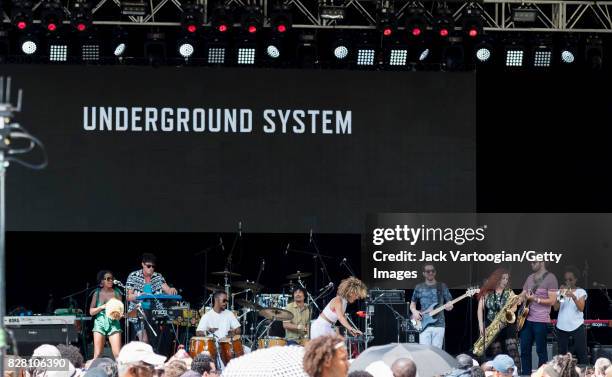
column 199, row 344
column 271, row 341
column 230, row 348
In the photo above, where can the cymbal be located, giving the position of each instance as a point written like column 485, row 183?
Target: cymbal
column 248, row 304
column 225, row 272
column 248, row 285
column 276, row 314
column 213, row 287
column 298, row 275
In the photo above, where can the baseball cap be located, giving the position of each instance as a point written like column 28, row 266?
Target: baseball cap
column 46, row 350
column 502, row 363
column 134, row 352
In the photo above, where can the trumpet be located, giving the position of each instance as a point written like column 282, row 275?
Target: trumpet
column 561, row 294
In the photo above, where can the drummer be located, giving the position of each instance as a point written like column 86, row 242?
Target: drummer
column 219, row 322
column 296, row 329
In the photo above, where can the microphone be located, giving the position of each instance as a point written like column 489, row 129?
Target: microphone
column 117, row 282
column 287, row 248
column 310, row 239
column 263, row 264
column 599, row 285
column 240, row 229
column 343, row 261
column 328, row 286
column 221, row 243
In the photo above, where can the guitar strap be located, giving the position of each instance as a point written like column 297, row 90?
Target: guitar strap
column 439, row 291
column 537, row 283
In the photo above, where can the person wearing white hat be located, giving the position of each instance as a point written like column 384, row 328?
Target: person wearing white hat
column 135, row 352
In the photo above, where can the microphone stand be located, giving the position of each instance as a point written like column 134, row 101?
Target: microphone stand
column 127, row 313
column 205, row 253
column 345, row 264
column 318, row 256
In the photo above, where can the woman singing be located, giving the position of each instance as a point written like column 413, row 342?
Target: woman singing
column 349, row 291
column 493, row 297
column 103, row 325
column 570, row 321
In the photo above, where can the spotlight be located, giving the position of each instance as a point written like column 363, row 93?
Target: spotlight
column 365, row 56
column 21, row 14
column 192, row 17
column 119, row 42
column 483, row 52
column 186, row 48
column 416, row 23
column 444, row 23
column 424, row 54
column 28, row 45
column 252, row 19
column 386, row 20
column 221, row 19
column 273, row 51
column 398, row 57
column 216, row 55
column 472, row 22
column 81, row 15
column 594, row 52
column 281, row 19
column 52, row 14
column 514, row 56
column 567, row 56
column 542, row 56
column 568, row 50
column 246, row 55
column 341, row 51
column 90, row 51
column 58, row 51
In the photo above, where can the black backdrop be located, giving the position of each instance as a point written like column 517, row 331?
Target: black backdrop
column 543, row 145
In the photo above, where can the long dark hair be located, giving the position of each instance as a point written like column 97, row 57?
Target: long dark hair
column 100, row 275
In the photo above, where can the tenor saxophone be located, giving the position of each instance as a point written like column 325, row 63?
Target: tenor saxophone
column 503, row 318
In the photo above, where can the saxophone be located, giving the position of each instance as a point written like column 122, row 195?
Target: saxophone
column 503, row 318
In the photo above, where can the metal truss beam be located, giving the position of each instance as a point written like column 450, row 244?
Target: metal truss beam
column 552, row 15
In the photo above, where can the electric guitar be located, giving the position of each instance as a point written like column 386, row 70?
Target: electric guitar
column 428, row 315
column 522, row 313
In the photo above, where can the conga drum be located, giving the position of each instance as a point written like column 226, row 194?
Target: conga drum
column 271, row 341
column 230, row 348
column 199, row 344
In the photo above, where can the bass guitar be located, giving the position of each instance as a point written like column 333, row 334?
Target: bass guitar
column 427, row 316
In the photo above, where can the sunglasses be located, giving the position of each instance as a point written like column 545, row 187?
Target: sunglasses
column 148, row 265
column 108, row 278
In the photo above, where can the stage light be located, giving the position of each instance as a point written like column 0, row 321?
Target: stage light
column 273, row 51
column 593, row 52
column 416, row 23
column 186, row 48
column 119, row 42
column 246, row 55
column 52, row 14
column 386, row 20
column 444, row 23
column 483, row 54
column 216, row 55
column 29, row 45
column 251, row 19
column 119, row 49
column 90, row 51
column 192, row 16
column 221, row 19
column 424, row 55
column 472, row 22
column 155, row 48
column 365, row 56
column 567, row 56
column 542, row 56
column 398, row 57
column 514, row 56
column 80, row 15
column 21, row 14
column 341, row 52
column 281, row 19
column 58, row 51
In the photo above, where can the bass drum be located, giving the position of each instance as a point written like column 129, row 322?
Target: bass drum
column 199, row 344
column 271, row 341
column 230, row 348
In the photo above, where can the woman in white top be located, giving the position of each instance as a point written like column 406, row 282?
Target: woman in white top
column 570, row 321
column 349, row 291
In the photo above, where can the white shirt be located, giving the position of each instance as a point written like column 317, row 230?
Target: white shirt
column 570, row 318
column 223, row 322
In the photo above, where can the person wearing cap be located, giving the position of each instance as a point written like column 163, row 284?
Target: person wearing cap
column 137, row 352
column 502, row 366
column 145, row 280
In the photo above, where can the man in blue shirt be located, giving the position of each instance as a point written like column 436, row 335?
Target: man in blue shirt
column 427, row 293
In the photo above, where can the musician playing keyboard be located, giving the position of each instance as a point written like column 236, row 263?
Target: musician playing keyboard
column 143, row 281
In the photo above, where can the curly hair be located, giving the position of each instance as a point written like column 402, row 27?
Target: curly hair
column 354, row 286
column 72, row 353
column 318, row 352
column 201, row 363
column 564, row 365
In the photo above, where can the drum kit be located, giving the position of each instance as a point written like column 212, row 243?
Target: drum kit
column 259, row 310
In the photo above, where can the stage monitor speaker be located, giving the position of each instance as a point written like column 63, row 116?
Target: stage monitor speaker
column 28, row 337
column 385, row 326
